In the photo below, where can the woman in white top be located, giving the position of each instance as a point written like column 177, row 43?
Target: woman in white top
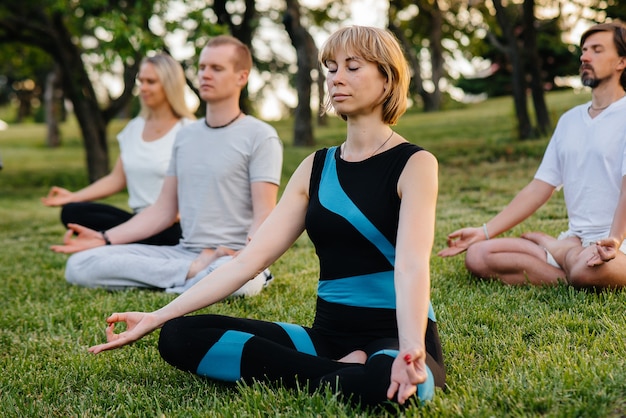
column 145, row 151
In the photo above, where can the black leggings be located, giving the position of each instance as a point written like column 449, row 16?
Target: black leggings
column 98, row 216
column 231, row 349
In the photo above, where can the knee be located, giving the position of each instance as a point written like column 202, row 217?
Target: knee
column 75, row 271
column 70, row 213
column 583, row 277
column 476, row 259
column 168, row 339
column 173, row 344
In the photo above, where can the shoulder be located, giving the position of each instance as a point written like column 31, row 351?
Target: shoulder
column 408, row 153
column 260, row 134
column 136, row 122
column 575, row 113
column 305, row 170
column 133, row 128
column 187, row 121
column 190, row 125
column 420, row 176
column 258, row 126
column 423, row 157
column 319, row 156
column 408, row 149
column 421, row 161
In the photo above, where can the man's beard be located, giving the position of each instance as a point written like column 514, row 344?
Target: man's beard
column 587, row 77
column 590, row 82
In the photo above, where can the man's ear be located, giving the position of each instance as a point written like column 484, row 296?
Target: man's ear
column 243, row 77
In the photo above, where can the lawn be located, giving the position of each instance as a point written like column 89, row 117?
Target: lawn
column 518, row 352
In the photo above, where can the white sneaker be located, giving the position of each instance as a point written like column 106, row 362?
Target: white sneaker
column 254, row 286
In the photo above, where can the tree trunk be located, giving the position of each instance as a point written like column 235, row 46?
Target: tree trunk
column 306, row 54
column 431, row 8
column 25, row 108
column 242, row 31
column 518, row 81
column 48, row 28
column 79, row 90
column 53, row 99
column 417, row 83
column 534, row 67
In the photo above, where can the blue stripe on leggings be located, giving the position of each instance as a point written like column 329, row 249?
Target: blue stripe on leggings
column 223, row 360
column 299, row 337
column 334, row 198
column 426, row 389
column 387, row 352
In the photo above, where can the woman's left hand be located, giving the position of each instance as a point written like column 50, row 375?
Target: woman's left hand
column 408, row 370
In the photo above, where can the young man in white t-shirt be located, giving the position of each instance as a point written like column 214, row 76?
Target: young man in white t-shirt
column 223, row 179
column 587, row 158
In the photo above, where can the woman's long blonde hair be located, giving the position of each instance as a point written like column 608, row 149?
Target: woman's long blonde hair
column 382, row 48
column 172, row 77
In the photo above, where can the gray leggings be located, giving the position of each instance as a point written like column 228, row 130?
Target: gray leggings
column 116, row 267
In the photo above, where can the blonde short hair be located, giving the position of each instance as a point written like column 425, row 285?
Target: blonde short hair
column 382, row 48
column 173, row 80
column 243, row 56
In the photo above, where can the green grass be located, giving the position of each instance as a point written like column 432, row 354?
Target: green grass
column 514, row 352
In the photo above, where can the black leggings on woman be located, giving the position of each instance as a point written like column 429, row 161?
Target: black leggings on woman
column 231, row 349
column 99, row 217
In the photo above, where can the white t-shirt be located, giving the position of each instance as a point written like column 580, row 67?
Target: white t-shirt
column 145, row 162
column 587, row 157
column 214, row 170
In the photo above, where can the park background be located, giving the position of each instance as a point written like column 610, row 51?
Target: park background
column 509, row 351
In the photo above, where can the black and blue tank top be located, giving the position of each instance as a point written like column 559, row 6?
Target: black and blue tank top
column 352, row 220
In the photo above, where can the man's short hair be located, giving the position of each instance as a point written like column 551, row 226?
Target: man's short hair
column 243, row 56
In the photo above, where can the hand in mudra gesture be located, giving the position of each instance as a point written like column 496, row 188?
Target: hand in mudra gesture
column 138, row 324
column 78, row 238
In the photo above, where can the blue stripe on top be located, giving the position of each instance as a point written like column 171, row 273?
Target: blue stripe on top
column 223, row 360
column 299, row 338
column 333, row 198
column 369, row 290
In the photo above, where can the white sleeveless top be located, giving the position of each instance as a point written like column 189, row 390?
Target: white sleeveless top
column 145, row 163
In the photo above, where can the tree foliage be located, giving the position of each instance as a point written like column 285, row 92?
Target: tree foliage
column 556, row 56
column 24, row 70
column 88, row 40
column 423, row 27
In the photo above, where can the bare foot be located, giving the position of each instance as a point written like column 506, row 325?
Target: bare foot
column 357, row 356
column 556, row 248
column 206, row 257
column 539, row 238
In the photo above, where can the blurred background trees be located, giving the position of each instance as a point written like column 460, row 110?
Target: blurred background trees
column 82, row 56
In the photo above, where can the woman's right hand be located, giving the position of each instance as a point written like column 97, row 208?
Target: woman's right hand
column 58, row 196
column 138, row 324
